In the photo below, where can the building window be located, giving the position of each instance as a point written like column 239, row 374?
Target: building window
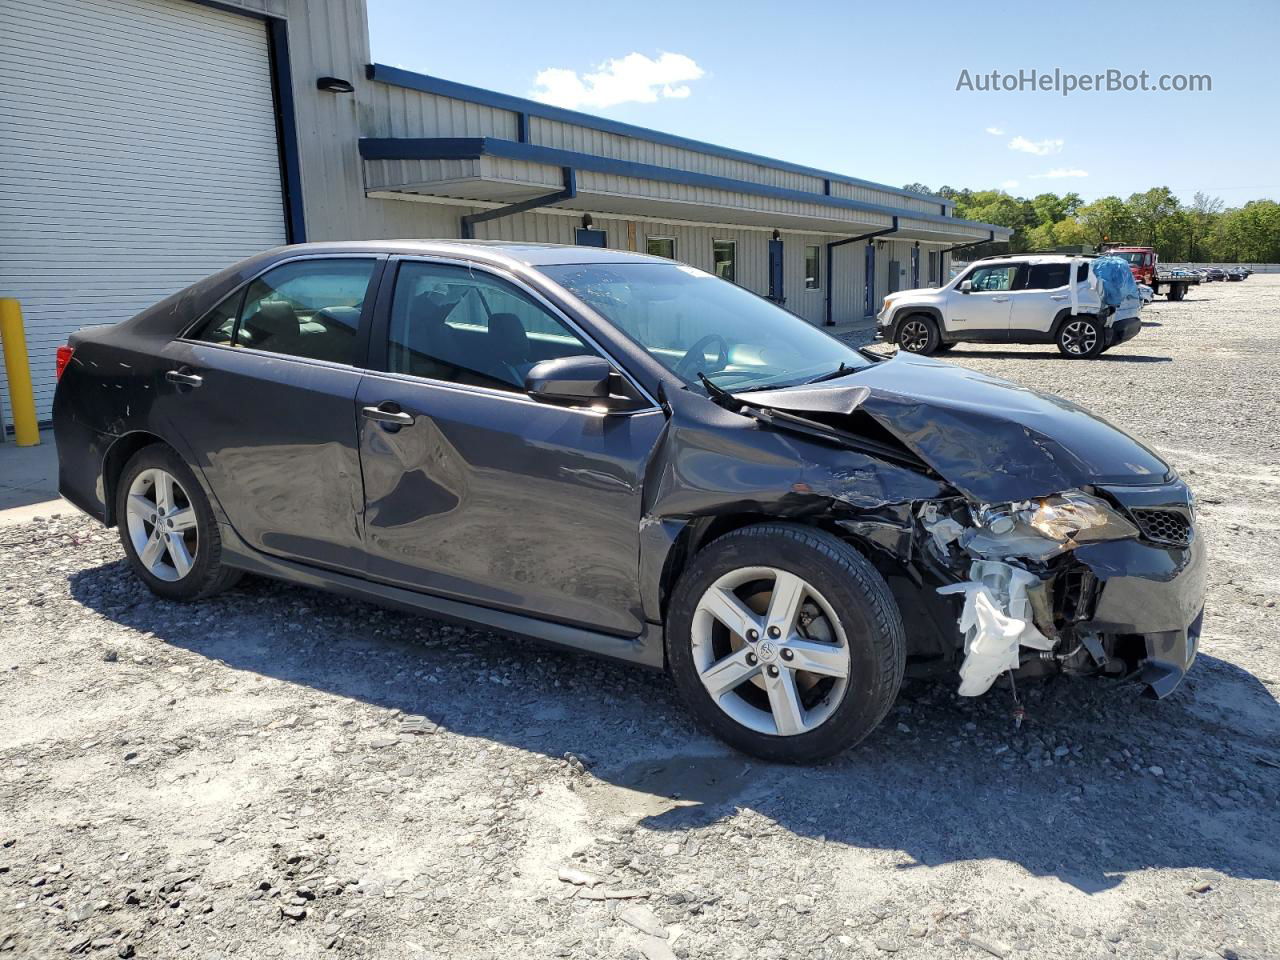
column 586, row 237
column 812, row 279
column 660, row 247
column 724, row 258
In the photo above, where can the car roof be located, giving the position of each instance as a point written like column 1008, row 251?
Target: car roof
column 1033, row 258
column 503, row 252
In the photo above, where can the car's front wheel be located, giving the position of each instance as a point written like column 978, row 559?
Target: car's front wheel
column 167, row 527
column 785, row 642
column 918, row 334
column 1080, row 338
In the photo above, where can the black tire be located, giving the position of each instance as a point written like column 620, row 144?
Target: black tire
column 1081, row 337
column 860, row 599
column 1176, row 291
column 207, row 575
column 918, row 333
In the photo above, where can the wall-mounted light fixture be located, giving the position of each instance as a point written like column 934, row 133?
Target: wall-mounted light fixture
column 777, row 235
column 334, row 85
column 587, row 221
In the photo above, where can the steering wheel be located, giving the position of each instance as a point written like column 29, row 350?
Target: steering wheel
column 688, row 366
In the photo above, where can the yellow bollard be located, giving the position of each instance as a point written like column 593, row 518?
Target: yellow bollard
column 17, row 367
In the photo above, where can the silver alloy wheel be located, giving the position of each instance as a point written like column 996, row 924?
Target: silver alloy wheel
column 162, row 525
column 913, row 336
column 781, row 669
column 1079, row 337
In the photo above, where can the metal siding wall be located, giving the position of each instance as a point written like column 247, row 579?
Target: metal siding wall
column 137, row 155
column 566, row 136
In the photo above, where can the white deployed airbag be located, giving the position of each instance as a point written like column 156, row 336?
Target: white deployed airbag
column 996, row 621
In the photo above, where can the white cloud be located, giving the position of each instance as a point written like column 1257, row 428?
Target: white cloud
column 1009, row 185
column 634, row 78
column 1040, row 148
column 1057, row 173
column 995, row 131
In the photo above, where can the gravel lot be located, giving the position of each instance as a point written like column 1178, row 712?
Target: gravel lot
column 247, row 777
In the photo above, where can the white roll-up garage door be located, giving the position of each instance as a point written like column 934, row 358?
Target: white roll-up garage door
column 138, row 154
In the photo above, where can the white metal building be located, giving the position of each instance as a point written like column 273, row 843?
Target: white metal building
column 147, row 143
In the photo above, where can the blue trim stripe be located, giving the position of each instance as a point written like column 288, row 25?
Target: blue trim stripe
column 394, row 76
column 473, row 148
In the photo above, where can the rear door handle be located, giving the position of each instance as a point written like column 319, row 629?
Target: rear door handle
column 186, row 379
column 389, row 413
column 1059, row 296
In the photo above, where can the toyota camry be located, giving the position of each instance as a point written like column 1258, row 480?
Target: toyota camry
column 631, row 457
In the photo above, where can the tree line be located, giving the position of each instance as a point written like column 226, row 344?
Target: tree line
column 1205, row 230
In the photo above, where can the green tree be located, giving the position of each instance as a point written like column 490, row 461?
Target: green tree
column 1202, row 215
column 1147, row 210
column 1106, row 219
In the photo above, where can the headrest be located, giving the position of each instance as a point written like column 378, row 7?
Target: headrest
column 273, row 320
column 507, row 337
column 346, row 317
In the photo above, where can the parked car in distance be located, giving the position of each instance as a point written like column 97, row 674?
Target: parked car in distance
column 1215, row 273
column 1236, row 274
column 625, row 455
column 1017, row 298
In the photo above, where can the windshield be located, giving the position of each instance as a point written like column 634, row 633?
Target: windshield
column 696, row 324
column 1135, row 256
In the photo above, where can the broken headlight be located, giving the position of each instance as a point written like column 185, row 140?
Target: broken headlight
column 1068, row 518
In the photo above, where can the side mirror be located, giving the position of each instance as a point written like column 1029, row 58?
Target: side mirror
column 579, row 380
column 966, row 286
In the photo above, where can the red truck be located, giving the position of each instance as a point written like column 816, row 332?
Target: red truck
column 1144, row 263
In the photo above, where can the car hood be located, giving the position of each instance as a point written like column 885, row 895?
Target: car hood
column 993, row 440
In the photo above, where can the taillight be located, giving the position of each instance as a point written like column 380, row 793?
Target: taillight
column 63, row 358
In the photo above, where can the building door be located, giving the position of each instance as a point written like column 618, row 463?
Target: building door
column 869, row 283
column 776, row 273
column 933, row 268
column 915, row 267
column 140, row 155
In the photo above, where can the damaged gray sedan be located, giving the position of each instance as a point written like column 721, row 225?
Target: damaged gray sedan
column 628, row 456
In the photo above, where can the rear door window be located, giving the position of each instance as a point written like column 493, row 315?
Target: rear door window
column 1047, row 276
column 307, row 308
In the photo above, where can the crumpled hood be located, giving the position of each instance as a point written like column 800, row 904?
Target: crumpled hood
column 993, row 440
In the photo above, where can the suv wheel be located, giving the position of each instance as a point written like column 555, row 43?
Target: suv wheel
column 1080, row 337
column 785, row 642
column 167, row 528
column 918, row 334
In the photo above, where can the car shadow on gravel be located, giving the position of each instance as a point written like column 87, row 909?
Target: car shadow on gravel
column 958, row 355
column 1097, row 783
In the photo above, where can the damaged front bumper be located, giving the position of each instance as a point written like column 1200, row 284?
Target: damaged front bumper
column 1130, row 607
column 1148, row 607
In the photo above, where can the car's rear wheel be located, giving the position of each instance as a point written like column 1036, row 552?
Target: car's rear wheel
column 1080, row 338
column 167, row 528
column 918, row 334
column 785, row 642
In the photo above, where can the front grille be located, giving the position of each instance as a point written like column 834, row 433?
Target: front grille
column 1164, row 526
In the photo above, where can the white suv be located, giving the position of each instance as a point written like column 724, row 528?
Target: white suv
column 1025, row 298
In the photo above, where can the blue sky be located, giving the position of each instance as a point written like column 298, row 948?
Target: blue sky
column 869, row 89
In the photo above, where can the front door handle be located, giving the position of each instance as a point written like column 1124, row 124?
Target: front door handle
column 999, row 299
column 185, row 379
column 389, row 413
